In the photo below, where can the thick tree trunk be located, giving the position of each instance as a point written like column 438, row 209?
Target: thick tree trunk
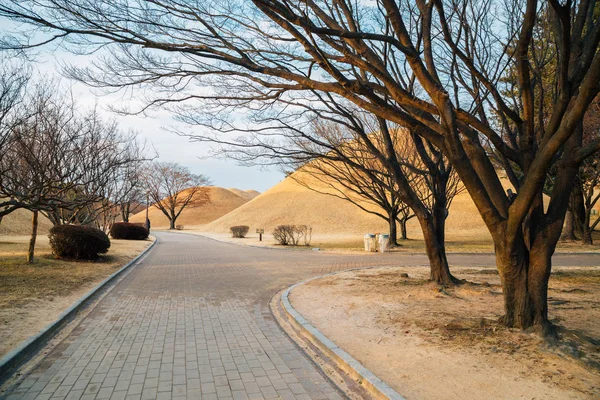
column 172, row 223
column 434, row 234
column 34, row 228
column 393, row 231
column 524, row 275
column 568, row 232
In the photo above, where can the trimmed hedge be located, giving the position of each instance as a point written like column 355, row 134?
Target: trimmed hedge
column 77, row 241
column 239, row 231
column 128, row 231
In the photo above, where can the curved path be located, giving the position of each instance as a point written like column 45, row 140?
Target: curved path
column 192, row 320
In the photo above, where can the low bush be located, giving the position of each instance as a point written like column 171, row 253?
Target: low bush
column 239, row 231
column 77, row 241
column 293, row 234
column 179, row 227
column 128, row 231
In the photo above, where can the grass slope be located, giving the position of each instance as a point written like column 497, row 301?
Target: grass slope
column 222, row 201
column 289, row 202
column 19, row 223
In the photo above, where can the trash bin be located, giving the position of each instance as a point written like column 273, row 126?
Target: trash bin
column 370, row 242
column 384, row 243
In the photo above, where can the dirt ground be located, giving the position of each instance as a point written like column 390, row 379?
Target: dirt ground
column 32, row 296
column 432, row 343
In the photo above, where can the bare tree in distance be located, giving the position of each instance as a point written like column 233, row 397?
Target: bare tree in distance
column 60, row 162
column 422, row 65
column 14, row 77
column 376, row 197
column 355, row 173
column 172, row 188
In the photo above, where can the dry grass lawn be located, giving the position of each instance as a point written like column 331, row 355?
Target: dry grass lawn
column 352, row 243
column 431, row 343
column 31, row 296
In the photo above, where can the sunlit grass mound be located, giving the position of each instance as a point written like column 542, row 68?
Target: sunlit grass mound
column 290, row 202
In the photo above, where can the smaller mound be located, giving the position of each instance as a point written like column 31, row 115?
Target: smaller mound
column 289, row 202
column 222, row 201
column 245, row 194
column 19, row 223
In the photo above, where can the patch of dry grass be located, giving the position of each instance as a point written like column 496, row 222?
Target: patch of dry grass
column 452, row 246
column 48, row 277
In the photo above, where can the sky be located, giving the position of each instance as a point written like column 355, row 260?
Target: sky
column 153, row 129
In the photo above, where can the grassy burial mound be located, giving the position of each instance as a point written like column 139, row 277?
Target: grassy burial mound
column 19, row 223
column 222, row 201
column 290, row 202
column 245, row 194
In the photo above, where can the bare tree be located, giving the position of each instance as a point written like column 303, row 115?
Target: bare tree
column 112, row 179
column 376, row 197
column 60, row 163
column 172, row 188
column 13, row 81
column 423, row 65
column 356, row 174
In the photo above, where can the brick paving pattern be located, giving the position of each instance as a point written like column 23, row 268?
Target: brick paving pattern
column 192, row 321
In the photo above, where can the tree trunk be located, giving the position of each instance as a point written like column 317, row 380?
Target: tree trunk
column 34, row 228
column 393, row 229
column 524, row 275
column 403, row 232
column 578, row 207
column 433, row 227
column 125, row 211
column 172, row 223
column 586, row 235
column 568, row 232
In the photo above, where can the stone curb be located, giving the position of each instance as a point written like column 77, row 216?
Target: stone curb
column 11, row 361
column 374, row 385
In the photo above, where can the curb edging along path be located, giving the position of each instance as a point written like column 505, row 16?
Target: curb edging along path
column 374, row 385
column 18, row 356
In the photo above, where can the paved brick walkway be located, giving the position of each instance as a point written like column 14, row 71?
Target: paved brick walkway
column 192, row 321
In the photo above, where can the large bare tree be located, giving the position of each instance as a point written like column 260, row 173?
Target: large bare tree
column 172, row 188
column 437, row 68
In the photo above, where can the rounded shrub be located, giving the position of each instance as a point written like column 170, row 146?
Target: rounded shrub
column 128, row 231
column 239, row 231
column 77, row 241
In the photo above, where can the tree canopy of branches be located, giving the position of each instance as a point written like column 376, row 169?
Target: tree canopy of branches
column 437, row 68
column 13, row 80
column 172, row 188
column 63, row 163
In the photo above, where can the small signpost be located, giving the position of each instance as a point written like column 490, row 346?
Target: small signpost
column 260, row 233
